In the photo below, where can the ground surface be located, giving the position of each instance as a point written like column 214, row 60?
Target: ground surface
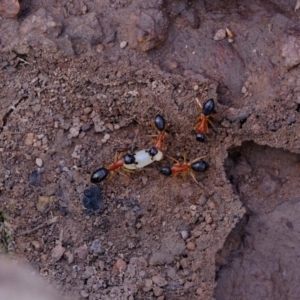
column 72, row 95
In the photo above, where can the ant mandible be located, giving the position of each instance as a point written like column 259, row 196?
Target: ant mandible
column 197, row 165
column 204, row 119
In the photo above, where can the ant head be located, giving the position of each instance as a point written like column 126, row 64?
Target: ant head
column 200, row 137
column 166, row 171
column 160, row 122
column 152, row 151
column 99, row 175
column 129, row 159
column 208, row 107
column 200, row 166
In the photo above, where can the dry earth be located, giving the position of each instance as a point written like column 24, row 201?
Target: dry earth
column 79, row 80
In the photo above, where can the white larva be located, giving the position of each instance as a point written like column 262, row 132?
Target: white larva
column 143, row 158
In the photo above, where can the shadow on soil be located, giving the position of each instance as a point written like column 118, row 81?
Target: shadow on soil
column 260, row 258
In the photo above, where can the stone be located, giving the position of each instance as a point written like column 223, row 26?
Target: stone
column 202, row 200
column 69, row 256
column 84, row 294
column 57, row 252
column 39, row 162
column 148, row 285
column 40, row 23
column 120, row 265
column 157, row 291
column 123, row 44
column 96, row 247
column 191, row 246
column 159, row 280
column 9, row 8
column 29, row 139
column 184, row 234
column 220, row 35
column 82, row 252
column 43, row 203
column 184, row 263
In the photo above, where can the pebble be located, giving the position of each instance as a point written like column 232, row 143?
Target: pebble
column 9, row 8
column 85, row 126
column 69, row 256
column 157, row 291
column 202, row 200
column 191, row 246
column 116, row 126
column 208, row 219
column 57, row 252
column 159, row 280
column 29, row 139
column 99, row 48
column 193, row 207
column 92, row 197
column 184, row 235
column 196, row 87
column 148, row 285
column 199, row 291
column 87, row 110
column 43, row 203
column 106, row 137
column 184, row 263
column 120, row 265
column 188, row 285
column 82, row 252
column 220, row 35
column 123, row 44
column 96, row 247
column 84, row 294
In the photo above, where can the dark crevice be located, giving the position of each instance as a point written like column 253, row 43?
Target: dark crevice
column 9, row 112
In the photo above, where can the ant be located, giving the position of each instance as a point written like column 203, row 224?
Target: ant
column 204, row 119
column 197, row 165
column 160, row 126
column 100, row 174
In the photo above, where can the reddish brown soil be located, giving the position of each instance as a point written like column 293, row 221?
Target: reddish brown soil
column 66, row 83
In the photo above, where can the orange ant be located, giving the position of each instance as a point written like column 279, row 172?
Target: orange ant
column 204, row 119
column 197, row 165
column 160, row 125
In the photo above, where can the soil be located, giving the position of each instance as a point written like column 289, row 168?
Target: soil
column 83, row 80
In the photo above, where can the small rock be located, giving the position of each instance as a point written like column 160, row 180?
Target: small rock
column 199, row 291
column 159, row 280
column 84, row 294
column 69, row 256
column 29, row 139
column 99, row 48
column 120, row 265
column 57, row 252
column 173, row 65
column 35, row 177
column 157, row 291
column 123, row 44
column 220, row 35
column 161, row 298
column 184, row 235
column 92, row 198
column 87, row 110
column 85, row 126
column 202, row 200
column 196, row 87
column 39, row 162
column 82, row 252
column 148, row 285
column 89, row 272
column 116, row 126
column 36, row 245
column 43, row 203
column 106, row 137
column 110, row 126
column 208, row 219
column 188, row 285
column 191, row 246
column 74, row 131
column 96, row 247
column 9, row 8
column 193, row 207
column 184, row 263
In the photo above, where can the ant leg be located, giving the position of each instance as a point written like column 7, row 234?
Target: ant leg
column 194, row 178
column 174, row 159
column 197, row 159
